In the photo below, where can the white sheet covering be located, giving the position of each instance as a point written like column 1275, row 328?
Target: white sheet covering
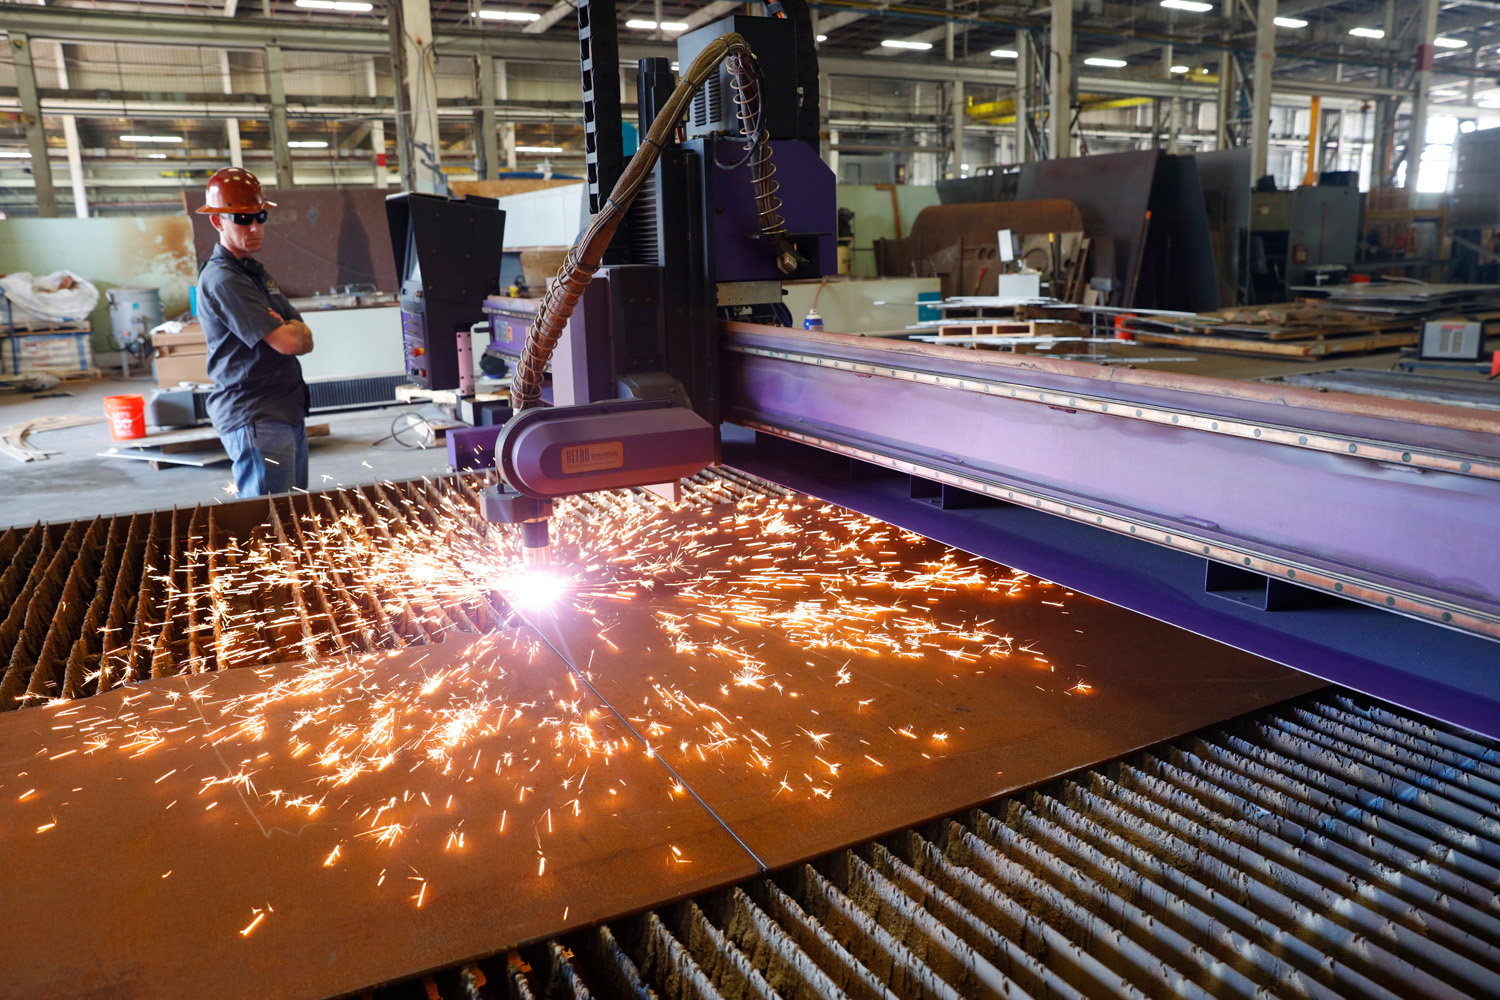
column 37, row 303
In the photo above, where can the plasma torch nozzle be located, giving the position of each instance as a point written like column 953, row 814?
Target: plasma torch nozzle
column 503, row 505
column 535, row 544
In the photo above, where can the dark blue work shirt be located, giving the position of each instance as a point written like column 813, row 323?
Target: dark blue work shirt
column 252, row 380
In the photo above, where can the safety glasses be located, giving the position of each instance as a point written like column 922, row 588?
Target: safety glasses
column 246, row 218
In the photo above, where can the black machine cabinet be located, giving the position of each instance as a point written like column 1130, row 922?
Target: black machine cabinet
column 774, row 42
column 447, row 253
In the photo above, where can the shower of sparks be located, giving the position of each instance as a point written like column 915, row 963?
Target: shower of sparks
column 728, row 582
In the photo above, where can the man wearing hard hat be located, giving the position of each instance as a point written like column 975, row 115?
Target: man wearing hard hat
column 259, row 400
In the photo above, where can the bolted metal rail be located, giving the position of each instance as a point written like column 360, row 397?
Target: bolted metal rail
column 1331, row 848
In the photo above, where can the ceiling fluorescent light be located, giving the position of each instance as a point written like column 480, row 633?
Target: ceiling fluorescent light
column 14, row 154
column 651, row 25
column 901, row 43
column 1367, row 32
column 1106, row 63
column 345, row 5
column 1182, row 69
column 1196, row 6
column 1005, row 53
column 822, row 38
column 539, row 149
column 509, row 15
column 1449, row 43
column 1290, row 22
column 307, row 144
column 150, row 138
column 156, row 156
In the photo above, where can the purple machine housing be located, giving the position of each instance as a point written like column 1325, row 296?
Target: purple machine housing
column 1350, row 538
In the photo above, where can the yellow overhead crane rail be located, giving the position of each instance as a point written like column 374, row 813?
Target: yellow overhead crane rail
column 1004, row 112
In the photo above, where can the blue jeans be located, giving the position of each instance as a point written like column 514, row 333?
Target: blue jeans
column 269, row 456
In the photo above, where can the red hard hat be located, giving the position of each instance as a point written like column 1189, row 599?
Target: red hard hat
column 234, row 189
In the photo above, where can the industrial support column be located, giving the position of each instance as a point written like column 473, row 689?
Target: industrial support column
column 825, row 102
column 957, row 92
column 31, row 118
column 1025, row 91
column 377, row 127
column 1061, row 112
column 1416, row 143
column 231, row 125
column 959, row 114
column 70, row 136
column 1265, row 64
column 421, row 92
column 489, row 143
column 1386, row 110
column 510, row 126
column 281, row 151
column 825, row 117
column 1226, row 76
column 1174, row 106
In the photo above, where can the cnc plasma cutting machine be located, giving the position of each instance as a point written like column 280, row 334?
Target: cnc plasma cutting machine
column 1349, row 537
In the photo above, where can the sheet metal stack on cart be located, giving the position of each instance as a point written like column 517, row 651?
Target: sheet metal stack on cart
column 1340, row 319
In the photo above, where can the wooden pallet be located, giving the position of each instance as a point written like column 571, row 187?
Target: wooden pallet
column 1300, row 350
column 79, row 326
column 444, row 397
column 61, row 374
column 197, row 446
column 993, row 328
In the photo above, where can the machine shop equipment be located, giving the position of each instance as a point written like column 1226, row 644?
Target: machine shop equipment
column 684, row 230
column 447, row 254
column 1224, row 481
column 1294, row 233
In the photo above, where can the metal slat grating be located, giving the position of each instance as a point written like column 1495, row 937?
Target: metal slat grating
column 87, row 606
column 1333, row 847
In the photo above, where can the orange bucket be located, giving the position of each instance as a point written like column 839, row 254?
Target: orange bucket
column 127, row 417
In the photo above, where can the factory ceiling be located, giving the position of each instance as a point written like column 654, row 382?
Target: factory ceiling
column 1317, row 40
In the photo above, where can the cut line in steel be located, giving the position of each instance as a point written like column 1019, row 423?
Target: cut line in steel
column 583, row 678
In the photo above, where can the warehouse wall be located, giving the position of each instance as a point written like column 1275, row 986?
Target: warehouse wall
column 154, row 252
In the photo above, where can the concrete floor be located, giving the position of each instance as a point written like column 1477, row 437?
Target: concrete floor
column 78, row 483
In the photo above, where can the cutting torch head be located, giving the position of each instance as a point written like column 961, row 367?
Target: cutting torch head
column 503, row 505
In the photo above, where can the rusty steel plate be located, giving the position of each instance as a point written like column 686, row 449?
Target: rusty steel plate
column 821, row 678
column 755, row 680
column 304, row 831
